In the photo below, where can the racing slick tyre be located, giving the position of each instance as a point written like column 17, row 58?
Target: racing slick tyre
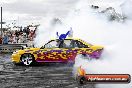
column 27, row 59
column 81, row 80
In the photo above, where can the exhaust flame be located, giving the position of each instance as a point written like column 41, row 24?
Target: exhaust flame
column 81, row 71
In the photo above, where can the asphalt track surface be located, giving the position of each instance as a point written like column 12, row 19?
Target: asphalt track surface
column 38, row 76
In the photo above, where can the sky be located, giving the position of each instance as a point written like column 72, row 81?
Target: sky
column 32, row 11
column 26, row 12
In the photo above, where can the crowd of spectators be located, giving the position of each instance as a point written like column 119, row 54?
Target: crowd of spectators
column 17, row 36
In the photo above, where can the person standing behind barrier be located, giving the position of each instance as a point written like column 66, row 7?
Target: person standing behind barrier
column 24, row 38
column 27, row 32
column 14, row 39
column 0, row 40
column 17, row 36
column 20, row 38
column 11, row 38
column 31, row 35
column 5, row 39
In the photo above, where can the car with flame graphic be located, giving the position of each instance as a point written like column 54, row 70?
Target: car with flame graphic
column 62, row 51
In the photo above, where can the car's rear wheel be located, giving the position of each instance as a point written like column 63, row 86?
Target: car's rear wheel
column 81, row 80
column 27, row 59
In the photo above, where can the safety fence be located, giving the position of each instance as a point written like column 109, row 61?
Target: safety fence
column 9, row 48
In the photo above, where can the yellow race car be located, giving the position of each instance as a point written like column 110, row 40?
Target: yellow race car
column 62, row 51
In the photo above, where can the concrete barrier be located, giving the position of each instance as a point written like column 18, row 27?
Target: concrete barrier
column 9, row 48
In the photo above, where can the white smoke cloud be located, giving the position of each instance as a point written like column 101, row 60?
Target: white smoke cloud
column 44, row 32
column 126, row 8
column 94, row 27
column 115, row 37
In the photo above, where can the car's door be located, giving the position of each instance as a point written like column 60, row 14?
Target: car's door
column 52, row 52
column 68, row 51
column 58, row 51
column 82, row 48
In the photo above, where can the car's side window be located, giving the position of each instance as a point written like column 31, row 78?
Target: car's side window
column 80, row 44
column 68, row 44
column 75, row 45
column 52, row 44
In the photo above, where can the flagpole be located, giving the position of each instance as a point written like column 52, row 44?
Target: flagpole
column 1, row 21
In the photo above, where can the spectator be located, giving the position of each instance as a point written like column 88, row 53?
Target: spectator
column 17, row 36
column 31, row 35
column 14, row 39
column 16, row 33
column 11, row 38
column 27, row 32
column 5, row 39
column 0, row 40
column 24, row 38
column 20, row 39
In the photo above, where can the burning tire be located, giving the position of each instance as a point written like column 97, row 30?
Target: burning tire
column 81, row 80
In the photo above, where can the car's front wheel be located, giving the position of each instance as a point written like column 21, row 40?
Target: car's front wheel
column 27, row 59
